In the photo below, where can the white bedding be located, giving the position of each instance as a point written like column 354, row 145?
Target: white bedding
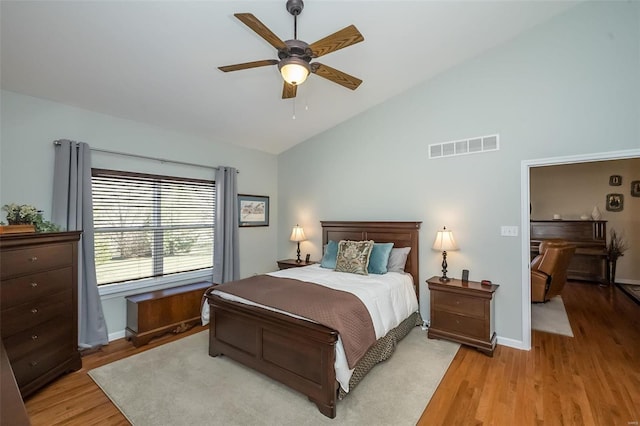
column 390, row 299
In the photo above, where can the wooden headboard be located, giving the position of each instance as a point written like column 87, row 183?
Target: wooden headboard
column 401, row 234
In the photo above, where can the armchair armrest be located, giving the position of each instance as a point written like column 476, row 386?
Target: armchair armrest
column 539, row 284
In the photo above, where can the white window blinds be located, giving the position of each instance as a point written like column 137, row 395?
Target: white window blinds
column 150, row 226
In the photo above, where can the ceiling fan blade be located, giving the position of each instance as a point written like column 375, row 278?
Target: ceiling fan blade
column 247, row 65
column 336, row 41
column 261, row 29
column 289, row 91
column 332, row 74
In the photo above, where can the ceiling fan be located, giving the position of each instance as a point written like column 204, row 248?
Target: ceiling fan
column 296, row 55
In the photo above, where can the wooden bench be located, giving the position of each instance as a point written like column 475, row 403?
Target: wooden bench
column 158, row 312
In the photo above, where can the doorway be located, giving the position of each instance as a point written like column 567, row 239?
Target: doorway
column 526, row 167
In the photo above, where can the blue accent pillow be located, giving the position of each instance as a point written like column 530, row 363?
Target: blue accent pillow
column 379, row 258
column 330, row 255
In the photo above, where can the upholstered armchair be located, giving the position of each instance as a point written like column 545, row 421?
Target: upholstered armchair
column 549, row 269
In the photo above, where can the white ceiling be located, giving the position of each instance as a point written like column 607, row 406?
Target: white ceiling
column 156, row 61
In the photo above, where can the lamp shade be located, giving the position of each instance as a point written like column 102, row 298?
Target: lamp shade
column 297, row 234
column 444, row 241
column 294, row 70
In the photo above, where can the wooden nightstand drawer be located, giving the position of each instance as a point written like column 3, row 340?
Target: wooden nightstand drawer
column 457, row 303
column 463, row 312
column 457, row 323
column 35, row 259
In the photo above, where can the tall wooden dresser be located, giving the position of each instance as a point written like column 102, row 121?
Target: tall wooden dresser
column 38, row 306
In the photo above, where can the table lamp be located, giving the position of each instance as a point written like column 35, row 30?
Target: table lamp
column 297, row 235
column 444, row 241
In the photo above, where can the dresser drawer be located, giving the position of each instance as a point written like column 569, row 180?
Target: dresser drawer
column 460, row 324
column 35, row 364
column 57, row 331
column 458, row 303
column 34, row 287
column 28, row 260
column 30, row 314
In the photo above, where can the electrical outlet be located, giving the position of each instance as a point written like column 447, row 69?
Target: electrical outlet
column 509, row 231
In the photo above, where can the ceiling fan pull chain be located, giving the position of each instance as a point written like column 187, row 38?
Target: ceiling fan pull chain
column 294, row 109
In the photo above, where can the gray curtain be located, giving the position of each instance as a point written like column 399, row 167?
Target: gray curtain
column 73, row 210
column 226, row 257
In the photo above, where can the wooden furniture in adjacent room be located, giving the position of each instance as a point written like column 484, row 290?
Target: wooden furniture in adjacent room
column 463, row 312
column 589, row 262
column 295, row 352
column 292, row 263
column 39, row 308
column 157, row 312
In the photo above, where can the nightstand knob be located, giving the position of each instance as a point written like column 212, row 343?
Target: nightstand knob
column 34, row 285
column 33, row 259
column 34, row 337
column 33, row 363
column 34, row 310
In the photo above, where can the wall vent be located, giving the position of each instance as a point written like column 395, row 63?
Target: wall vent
column 465, row 146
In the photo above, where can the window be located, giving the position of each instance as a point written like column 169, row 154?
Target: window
column 150, row 226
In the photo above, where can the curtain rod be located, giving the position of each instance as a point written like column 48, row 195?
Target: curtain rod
column 145, row 157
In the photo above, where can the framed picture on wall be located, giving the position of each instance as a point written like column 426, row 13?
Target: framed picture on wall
column 253, row 210
column 635, row 188
column 615, row 180
column 615, row 202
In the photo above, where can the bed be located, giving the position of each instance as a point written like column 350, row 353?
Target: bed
column 300, row 353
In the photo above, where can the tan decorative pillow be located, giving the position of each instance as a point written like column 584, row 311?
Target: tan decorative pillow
column 353, row 256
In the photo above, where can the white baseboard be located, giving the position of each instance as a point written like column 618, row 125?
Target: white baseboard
column 512, row 343
column 626, row 281
column 116, row 335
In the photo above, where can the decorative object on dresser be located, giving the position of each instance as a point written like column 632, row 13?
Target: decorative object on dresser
column 444, row 242
column 158, row 312
column 39, row 308
column 297, row 235
column 589, row 262
column 463, row 312
column 293, row 263
column 595, row 213
column 26, row 218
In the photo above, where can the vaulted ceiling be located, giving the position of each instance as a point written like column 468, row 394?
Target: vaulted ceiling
column 156, row 61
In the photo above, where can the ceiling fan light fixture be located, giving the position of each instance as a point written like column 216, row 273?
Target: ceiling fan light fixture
column 294, row 70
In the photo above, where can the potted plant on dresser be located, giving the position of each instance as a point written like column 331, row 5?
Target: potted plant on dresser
column 25, row 218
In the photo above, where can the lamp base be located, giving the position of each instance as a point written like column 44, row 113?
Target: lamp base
column 444, row 279
column 298, row 260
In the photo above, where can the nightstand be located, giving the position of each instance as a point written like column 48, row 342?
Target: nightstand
column 291, row 263
column 463, row 312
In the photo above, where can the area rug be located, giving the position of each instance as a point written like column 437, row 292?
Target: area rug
column 551, row 317
column 180, row 384
column 632, row 290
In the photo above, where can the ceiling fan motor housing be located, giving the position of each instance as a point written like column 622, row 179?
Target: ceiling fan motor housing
column 295, row 7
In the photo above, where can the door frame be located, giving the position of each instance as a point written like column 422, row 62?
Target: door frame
column 525, row 174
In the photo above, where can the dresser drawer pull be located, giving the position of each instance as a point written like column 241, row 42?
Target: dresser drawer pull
column 34, row 337
column 33, row 259
column 34, row 285
column 457, row 302
column 34, row 310
column 33, row 363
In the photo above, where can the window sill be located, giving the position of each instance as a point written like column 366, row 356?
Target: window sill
column 112, row 291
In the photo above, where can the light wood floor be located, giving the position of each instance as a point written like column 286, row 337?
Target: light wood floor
column 591, row 379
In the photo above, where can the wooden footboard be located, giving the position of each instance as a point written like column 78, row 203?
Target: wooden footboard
column 297, row 353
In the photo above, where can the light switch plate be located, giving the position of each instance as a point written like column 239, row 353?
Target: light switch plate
column 509, row 231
